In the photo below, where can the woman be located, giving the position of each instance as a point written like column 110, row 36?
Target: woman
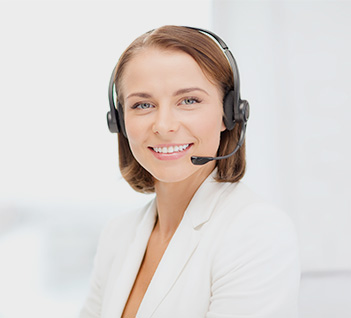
column 206, row 246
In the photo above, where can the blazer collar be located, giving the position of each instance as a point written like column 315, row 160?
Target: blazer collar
column 121, row 280
column 205, row 199
column 180, row 249
column 182, row 245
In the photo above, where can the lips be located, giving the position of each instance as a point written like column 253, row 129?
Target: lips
column 171, row 149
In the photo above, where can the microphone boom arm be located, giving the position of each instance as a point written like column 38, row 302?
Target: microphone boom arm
column 203, row 160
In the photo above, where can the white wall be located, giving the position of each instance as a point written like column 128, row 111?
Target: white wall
column 56, row 61
column 59, row 177
column 294, row 59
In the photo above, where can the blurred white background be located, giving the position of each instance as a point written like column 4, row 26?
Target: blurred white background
column 59, row 178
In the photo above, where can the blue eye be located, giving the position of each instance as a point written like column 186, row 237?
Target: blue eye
column 142, row 106
column 190, row 101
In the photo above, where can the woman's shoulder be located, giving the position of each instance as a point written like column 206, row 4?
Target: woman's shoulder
column 246, row 217
column 240, row 203
column 255, row 253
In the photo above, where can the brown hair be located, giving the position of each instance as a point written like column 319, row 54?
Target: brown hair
column 215, row 66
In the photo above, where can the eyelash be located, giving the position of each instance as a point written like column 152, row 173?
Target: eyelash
column 197, row 100
column 138, row 104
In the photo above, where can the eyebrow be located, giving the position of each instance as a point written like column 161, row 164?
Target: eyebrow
column 178, row 92
column 189, row 90
column 143, row 95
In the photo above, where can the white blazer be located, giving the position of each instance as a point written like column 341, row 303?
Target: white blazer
column 232, row 255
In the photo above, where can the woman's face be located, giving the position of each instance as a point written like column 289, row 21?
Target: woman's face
column 172, row 112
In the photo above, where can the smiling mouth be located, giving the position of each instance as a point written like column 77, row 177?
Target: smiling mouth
column 171, row 149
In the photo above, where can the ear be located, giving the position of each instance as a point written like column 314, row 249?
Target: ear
column 223, row 127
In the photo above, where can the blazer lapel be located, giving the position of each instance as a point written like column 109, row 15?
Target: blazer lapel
column 182, row 246
column 178, row 252
column 120, row 281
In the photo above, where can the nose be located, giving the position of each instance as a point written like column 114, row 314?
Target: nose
column 165, row 121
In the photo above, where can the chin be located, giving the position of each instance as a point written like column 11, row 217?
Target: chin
column 171, row 175
column 181, row 173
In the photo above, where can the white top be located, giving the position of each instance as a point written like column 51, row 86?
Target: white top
column 232, row 255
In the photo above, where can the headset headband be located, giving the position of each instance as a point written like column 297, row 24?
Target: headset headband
column 235, row 109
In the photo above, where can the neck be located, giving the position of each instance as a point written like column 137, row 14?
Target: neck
column 172, row 201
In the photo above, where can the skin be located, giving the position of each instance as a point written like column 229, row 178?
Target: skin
column 169, row 102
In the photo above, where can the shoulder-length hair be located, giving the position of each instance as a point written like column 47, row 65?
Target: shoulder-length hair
column 211, row 59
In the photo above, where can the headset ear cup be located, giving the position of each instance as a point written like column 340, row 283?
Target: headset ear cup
column 228, row 108
column 112, row 121
column 242, row 113
column 120, row 119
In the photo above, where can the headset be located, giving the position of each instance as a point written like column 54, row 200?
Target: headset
column 236, row 110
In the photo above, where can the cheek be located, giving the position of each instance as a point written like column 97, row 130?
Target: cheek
column 209, row 130
column 134, row 126
column 135, row 130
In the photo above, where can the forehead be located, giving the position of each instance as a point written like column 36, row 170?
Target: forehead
column 155, row 68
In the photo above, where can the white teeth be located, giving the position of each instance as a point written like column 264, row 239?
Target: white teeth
column 171, row 149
